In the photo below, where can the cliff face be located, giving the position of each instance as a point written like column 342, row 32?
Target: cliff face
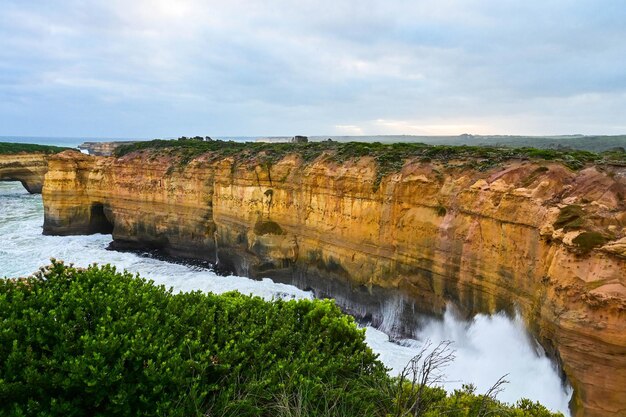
column 103, row 148
column 28, row 168
column 531, row 236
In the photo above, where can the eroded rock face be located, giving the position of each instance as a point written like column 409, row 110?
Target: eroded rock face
column 103, row 148
column 531, row 236
column 28, row 168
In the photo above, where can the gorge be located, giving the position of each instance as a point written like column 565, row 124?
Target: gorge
column 525, row 234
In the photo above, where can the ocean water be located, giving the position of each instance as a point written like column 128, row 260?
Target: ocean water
column 486, row 347
column 54, row 141
column 73, row 142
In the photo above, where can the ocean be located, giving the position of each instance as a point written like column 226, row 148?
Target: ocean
column 487, row 347
column 73, row 142
column 54, row 141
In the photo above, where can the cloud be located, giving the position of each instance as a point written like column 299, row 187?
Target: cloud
column 167, row 67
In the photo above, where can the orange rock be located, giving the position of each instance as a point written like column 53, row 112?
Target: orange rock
column 28, row 168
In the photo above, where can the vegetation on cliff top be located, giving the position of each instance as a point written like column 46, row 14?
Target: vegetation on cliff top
column 13, row 148
column 97, row 342
column 593, row 143
column 390, row 157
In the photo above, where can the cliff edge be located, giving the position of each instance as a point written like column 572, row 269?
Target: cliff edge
column 26, row 163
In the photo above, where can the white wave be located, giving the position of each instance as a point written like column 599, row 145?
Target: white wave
column 486, row 348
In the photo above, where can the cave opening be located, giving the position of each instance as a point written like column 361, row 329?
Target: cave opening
column 98, row 221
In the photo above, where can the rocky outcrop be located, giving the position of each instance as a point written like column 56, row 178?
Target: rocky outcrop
column 27, row 168
column 103, row 148
column 535, row 237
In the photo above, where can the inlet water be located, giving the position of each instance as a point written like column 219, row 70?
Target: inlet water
column 486, row 348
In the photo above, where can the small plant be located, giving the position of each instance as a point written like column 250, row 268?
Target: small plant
column 588, row 241
column 425, row 370
column 416, row 392
column 570, row 218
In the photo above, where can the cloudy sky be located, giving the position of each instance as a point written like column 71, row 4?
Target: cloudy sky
column 156, row 68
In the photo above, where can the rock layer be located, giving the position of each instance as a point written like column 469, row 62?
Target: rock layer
column 529, row 236
column 27, row 168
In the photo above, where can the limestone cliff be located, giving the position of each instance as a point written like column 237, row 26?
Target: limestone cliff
column 528, row 235
column 28, row 168
column 103, row 148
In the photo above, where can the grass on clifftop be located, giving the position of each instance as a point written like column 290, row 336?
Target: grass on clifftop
column 95, row 342
column 13, row 148
column 390, row 157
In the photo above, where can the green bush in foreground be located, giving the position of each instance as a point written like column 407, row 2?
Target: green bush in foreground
column 100, row 342
column 96, row 342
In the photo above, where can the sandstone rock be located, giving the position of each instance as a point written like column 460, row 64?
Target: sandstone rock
column 28, row 168
column 618, row 247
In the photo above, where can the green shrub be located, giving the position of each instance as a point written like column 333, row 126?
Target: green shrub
column 587, row 241
column 570, row 218
column 466, row 402
column 95, row 342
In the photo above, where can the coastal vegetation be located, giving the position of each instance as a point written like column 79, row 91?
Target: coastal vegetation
column 593, row 143
column 390, row 157
column 99, row 342
column 13, row 148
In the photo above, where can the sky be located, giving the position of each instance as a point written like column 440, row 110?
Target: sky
column 165, row 68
